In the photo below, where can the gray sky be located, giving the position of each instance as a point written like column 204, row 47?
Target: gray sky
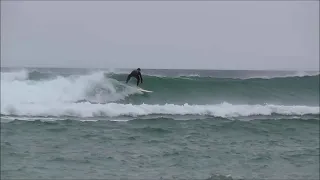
column 180, row 34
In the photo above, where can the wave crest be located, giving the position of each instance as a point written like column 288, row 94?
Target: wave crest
column 224, row 110
column 15, row 89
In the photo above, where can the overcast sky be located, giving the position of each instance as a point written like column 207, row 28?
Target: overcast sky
column 180, row 34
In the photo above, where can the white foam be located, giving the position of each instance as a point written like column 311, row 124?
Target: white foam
column 92, row 87
column 14, row 75
column 114, row 110
column 304, row 73
column 294, row 74
column 188, row 75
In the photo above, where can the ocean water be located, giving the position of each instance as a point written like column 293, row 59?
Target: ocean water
column 197, row 124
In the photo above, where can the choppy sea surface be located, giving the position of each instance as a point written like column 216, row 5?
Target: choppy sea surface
column 59, row 123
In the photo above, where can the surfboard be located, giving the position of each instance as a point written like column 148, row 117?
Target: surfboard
column 143, row 90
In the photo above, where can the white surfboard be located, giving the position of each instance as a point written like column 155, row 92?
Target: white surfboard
column 143, row 90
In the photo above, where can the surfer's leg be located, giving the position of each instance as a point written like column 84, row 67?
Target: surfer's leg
column 128, row 78
column 138, row 80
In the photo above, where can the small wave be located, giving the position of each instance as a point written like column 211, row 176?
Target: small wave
column 37, row 76
column 289, row 75
column 189, row 75
column 25, row 75
column 114, row 110
column 220, row 177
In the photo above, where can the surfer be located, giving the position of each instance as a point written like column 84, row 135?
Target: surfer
column 137, row 74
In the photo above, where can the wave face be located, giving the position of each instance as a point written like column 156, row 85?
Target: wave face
column 103, row 93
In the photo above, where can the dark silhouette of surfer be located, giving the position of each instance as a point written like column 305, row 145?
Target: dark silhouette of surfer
column 136, row 74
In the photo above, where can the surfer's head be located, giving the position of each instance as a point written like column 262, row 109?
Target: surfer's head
column 139, row 69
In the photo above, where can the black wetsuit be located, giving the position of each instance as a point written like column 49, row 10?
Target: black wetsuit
column 136, row 74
